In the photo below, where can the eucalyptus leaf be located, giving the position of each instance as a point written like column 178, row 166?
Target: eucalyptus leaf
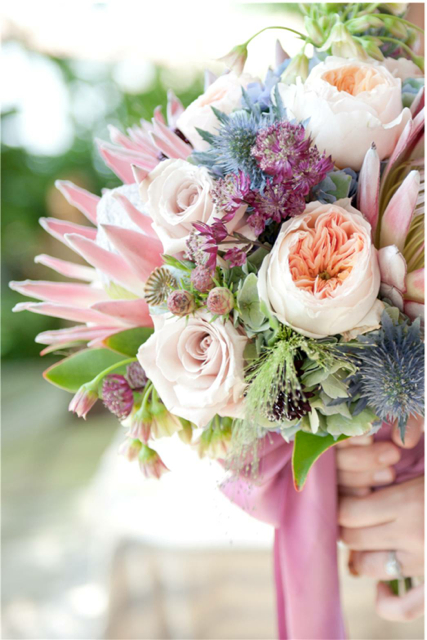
column 353, row 426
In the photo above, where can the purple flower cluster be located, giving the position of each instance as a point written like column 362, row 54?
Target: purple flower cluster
column 292, row 166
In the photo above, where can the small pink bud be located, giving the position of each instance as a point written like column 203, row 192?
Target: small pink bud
column 236, row 58
column 151, row 463
column 136, row 376
column 220, row 301
column 181, row 303
column 141, row 423
column 130, row 449
column 83, row 401
column 117, row 395
column 201, row 278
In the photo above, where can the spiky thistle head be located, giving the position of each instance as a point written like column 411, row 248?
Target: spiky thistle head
column 391, row 371
column 230, row 150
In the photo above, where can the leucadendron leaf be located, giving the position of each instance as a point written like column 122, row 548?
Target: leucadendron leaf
column 307, row 449
column 72, row 372
column 127, row 342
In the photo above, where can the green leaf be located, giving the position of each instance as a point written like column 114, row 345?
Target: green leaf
column 72, row 372
column 249, row 304
column 357, row 425
column 307, row 449
column 182, row 265
column 128, row 342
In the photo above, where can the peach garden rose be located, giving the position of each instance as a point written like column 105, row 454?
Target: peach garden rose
column 348, row 105
column 322, row 275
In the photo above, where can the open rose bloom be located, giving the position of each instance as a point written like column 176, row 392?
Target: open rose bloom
column 261, row 269
column 322, row 277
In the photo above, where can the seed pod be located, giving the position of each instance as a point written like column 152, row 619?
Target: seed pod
column 181, row 303
column 220, row 301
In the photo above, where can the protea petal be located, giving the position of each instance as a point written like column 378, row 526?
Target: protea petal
column 85, row 201
column 76, row 334
column 407, row 142
column 133, row 312
column 280, row 54
column 174, row 109
column 81, row 295
column 120, row 167
column 143, row 254
column 139, row 174
column 169, row 143
column 59, row 229
column 65, row 268
column 418, row 102
column 392, row 267
column 112, row 265
column 119, row 138
column 397, row 217
column 66, row 312
column 141, row 138
column 392, row 294
column 369, row 187
column 414, row 310
column 209, row 79
column 142, row 221
column 415, row 286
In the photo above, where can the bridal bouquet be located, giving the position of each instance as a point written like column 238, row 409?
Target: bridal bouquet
column 261, row 269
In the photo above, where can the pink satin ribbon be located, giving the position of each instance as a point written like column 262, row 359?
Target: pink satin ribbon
column 305, row 545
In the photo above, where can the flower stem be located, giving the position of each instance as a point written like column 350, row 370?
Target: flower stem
column 297, row 33
column 417, row 59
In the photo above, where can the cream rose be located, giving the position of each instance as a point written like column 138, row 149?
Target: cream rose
column 196, row 366
column 177, row 194
column 224, row 94
column 402, row 68
column 322, row 275
column 349, row 104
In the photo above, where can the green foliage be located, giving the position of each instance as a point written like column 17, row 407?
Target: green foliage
column 72, row 372
column 307, row 449
column 249, row 307
column 128, row 342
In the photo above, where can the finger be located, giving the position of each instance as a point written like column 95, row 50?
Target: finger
column 373, row 564
column 379, row 507
column 366, row 478
column 400, row 609
column 414, row 429
column 368, row 458
column 355, row 441
column 379, row 538
column 360, row 492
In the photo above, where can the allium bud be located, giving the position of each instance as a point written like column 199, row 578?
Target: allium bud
column 117, row 395
column 151, row 463
column 236, row 58
column 136, row 376
column 130, row 449
column 298, row 68
column 181, row 302
column 220, row 301
column 140, row 426
column 201, row 279
column 83, row 401
column 372, row 49
column 314, row 31
column 186, row 433
column 342, row 44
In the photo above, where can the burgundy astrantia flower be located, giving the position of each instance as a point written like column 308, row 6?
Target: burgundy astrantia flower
column 229, row 193
column 279, row 200
column 236, row 257
column 284, row 152
column 117, row 395
column 214, row 234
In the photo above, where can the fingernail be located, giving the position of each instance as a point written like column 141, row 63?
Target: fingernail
column 352, row 569
column 389, row 456
column 383, row 476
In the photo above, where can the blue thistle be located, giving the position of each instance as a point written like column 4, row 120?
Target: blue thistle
column 230, row 149
column 390, row 377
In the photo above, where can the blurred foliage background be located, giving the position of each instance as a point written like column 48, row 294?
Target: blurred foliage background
column 94, row 99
